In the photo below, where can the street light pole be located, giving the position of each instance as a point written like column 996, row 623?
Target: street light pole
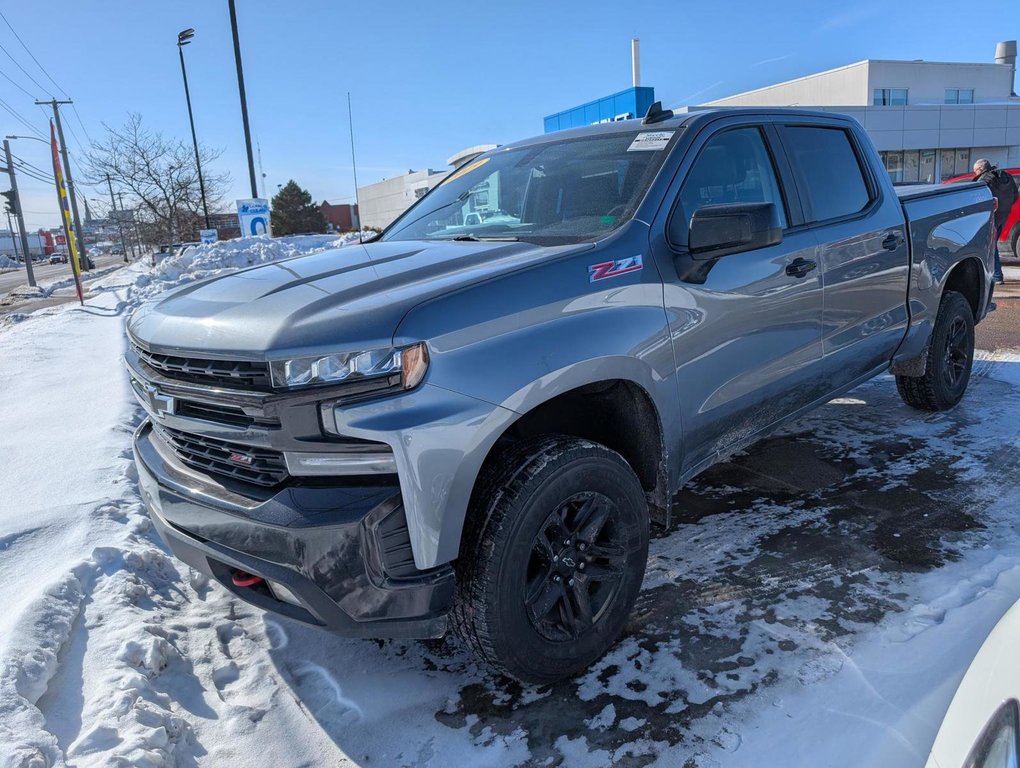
column 244, row 100
column 183, row 39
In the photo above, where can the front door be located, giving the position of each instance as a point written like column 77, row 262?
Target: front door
column 747, row 327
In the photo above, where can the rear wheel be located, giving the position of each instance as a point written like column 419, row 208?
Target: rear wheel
column 949, row 361
column 553, row 559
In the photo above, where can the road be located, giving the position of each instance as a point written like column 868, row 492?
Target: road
column 45, row 273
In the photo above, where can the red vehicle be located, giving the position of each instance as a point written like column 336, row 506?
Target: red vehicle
column 1011, row 232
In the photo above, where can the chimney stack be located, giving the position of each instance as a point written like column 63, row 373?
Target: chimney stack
column 1005, row 53
column 635, row 61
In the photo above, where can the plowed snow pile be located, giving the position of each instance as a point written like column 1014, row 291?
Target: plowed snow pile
column 820, row 614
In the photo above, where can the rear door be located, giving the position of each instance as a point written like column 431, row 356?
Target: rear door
column 862, row 254
column 746, row 327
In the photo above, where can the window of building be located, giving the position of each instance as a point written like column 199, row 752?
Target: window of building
column 889, row 97
column 907, row 166
column 926, row 167
column 959, row 95
column 954, row 162
column 828, row 171
column 733, row 167
column 911, row 166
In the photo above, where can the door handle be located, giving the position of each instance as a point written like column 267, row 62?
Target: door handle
column 892, row 241
column 799, row 267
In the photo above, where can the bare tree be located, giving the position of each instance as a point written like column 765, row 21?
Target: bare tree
column 160, row 176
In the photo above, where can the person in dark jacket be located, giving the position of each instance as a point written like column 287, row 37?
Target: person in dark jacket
column 1004, row 191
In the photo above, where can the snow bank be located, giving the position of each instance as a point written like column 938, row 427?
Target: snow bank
column 202, row 261
column 6, row 262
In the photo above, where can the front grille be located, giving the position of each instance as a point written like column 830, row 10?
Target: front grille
column 237, row 374
column 267, row 467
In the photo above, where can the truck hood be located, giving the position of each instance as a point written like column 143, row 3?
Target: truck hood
column 338, row 300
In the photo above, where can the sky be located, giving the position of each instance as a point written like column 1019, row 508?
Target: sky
column 426, row 79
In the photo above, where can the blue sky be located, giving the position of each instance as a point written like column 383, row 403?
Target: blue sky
column 430, row 78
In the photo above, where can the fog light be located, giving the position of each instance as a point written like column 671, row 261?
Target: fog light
column 340, row 464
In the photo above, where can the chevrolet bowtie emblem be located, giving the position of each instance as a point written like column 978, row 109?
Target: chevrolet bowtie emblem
column 160, row 404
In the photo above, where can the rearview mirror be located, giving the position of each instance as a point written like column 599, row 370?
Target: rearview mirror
column 719, row 230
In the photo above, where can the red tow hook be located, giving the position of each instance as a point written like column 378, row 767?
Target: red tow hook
column 245, row 579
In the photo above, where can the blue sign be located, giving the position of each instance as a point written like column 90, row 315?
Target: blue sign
column 631, row 103
column 253, row 217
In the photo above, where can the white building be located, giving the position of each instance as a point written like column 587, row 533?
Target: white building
column 381, row 203
column 929, row 120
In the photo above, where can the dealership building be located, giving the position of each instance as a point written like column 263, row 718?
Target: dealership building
column 929, row 120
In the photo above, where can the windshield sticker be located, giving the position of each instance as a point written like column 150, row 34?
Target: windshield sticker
column 650, row 141
column 466, row 170
column 614, row 268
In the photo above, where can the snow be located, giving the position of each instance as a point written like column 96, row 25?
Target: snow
column 6, row 262
column 818, row 617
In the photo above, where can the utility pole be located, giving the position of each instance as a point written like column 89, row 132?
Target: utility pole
column 244, row 100
column 120, row 223
column 82, row 252
column 18, row 212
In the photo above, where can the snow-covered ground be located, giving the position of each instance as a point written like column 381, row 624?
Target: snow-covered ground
column 817, row 604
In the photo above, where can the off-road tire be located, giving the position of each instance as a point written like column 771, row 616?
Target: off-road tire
column 938, row 389
column 516, row 498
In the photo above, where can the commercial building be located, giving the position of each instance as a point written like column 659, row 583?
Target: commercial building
column 11, row 243
column 340, row 218
column 929, row 120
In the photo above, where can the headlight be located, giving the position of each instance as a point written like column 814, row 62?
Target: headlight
column 410, row 363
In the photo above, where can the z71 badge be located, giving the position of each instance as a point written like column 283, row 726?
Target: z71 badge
column 614, row 268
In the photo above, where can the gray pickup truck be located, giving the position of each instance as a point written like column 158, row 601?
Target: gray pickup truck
column 471, row 422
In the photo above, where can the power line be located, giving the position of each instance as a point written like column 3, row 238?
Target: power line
column 18, row 116
column 80, row 121
column 28, row 164
column 29, row 52
column 39, row 85
column 33, row 171
column 33, row 175
column 25, row 164
column 17, row 85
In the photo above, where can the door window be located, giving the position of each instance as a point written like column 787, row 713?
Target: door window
column 828, row 171
column 733, row 167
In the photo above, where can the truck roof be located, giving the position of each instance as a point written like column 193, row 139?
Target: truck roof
column 679, row 119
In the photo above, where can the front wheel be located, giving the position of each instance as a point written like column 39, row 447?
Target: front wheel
column 552, row 559
column 950, row 357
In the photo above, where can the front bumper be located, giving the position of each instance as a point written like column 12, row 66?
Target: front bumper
column 340, row 548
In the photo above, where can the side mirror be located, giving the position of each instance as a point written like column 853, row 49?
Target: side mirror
column 719, row 230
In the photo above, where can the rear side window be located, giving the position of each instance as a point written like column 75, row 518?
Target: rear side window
column 828, row 171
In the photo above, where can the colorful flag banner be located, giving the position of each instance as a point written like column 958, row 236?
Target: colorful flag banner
column 58, row 174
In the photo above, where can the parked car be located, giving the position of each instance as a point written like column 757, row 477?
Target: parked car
column 58, row 258
column 982, row 727
column 476, row 431
column 1010, row 234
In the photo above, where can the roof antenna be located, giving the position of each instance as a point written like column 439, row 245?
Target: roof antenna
column 656, row 114
column 354, row 165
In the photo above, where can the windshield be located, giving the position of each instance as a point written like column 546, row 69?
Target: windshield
column 553, row 193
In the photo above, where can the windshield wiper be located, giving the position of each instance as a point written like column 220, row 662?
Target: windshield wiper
column 484, row 238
